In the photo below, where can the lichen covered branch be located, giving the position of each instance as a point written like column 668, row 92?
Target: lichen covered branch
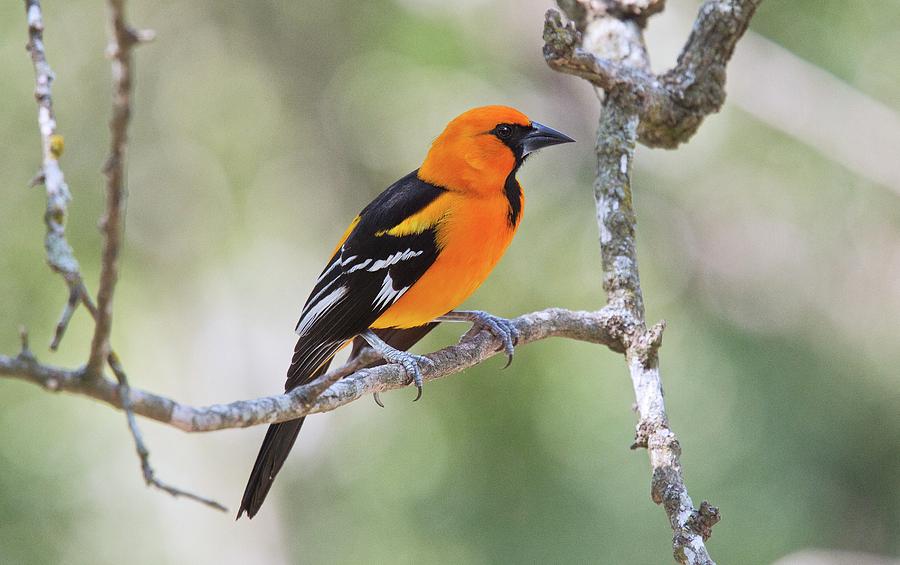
column 603, row 43
column 671, row 105
column 60, row 256
column 336, row 388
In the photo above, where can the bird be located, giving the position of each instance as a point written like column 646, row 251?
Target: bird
column 410, row 258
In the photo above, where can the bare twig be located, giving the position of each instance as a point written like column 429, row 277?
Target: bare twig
column 72, row 303
column 60, row 256
column 59, row 253
column 341, row 385
column 121, row 41
column 603, row 43
column 124, row 393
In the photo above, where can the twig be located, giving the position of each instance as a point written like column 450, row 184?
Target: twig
column 605, row 327
column 124, row 393
column 121, row 41
column 60, row 256
column 69, row 309
column 59, row 253
column 603, row 43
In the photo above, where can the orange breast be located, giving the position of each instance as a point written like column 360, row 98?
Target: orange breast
column 473, row 236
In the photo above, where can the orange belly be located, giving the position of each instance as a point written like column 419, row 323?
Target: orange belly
column 472, row 240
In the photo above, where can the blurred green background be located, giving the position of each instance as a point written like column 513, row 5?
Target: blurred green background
column 261, row 128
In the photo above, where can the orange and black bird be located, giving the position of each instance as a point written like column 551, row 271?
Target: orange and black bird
column 410, row 258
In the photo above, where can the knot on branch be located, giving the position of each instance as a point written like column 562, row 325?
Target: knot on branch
column 667, row 489
column 654, row 433
column 645, row 347
column 702, row 520
column 619, row 324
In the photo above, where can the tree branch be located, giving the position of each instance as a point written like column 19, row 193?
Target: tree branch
column 671, row 106
column 121, row 41
column 603, row 43
column 60, row 256
column 336, row 388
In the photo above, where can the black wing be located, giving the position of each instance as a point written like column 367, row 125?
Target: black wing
column 366, row 275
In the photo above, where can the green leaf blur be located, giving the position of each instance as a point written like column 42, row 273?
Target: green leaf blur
column 261, row 128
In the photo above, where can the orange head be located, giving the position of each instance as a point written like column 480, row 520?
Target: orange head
column 480, row 148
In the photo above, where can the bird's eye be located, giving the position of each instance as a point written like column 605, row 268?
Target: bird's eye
column 504, row 131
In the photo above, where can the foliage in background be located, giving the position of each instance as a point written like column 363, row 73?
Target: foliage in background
column 260, row 129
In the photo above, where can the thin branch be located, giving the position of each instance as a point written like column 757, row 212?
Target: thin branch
column 336, row 388
column 124, row 394
column 603, row 43
column 121, row 41
column 60, row 256
column 59, row 253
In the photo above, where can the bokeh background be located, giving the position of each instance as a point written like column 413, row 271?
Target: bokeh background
column 770, row 243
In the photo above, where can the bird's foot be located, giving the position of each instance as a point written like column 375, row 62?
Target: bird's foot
column 410, row 362
column 502, row 328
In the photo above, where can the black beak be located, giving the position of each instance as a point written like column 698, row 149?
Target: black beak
column 541, row 136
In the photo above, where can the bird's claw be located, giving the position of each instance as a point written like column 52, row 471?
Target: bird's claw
column 502, row 328
column 411, row 364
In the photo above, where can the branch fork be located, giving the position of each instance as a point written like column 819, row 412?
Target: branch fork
column 603, row 43
column 671, row 105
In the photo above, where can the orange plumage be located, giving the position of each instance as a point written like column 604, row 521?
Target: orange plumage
column 470, row 218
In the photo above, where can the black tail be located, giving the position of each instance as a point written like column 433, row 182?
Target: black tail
column 281, row 437
column 275, row 448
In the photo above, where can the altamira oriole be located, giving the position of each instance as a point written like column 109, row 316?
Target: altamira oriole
column 410, row 258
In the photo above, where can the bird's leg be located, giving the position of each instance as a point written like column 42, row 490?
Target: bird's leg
column 409, row 361
column 500, row 327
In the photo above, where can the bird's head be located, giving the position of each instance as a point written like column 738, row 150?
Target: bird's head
column 480, row 148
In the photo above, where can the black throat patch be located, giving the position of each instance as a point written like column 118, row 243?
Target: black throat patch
column 512, row 136
column 513, row 193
